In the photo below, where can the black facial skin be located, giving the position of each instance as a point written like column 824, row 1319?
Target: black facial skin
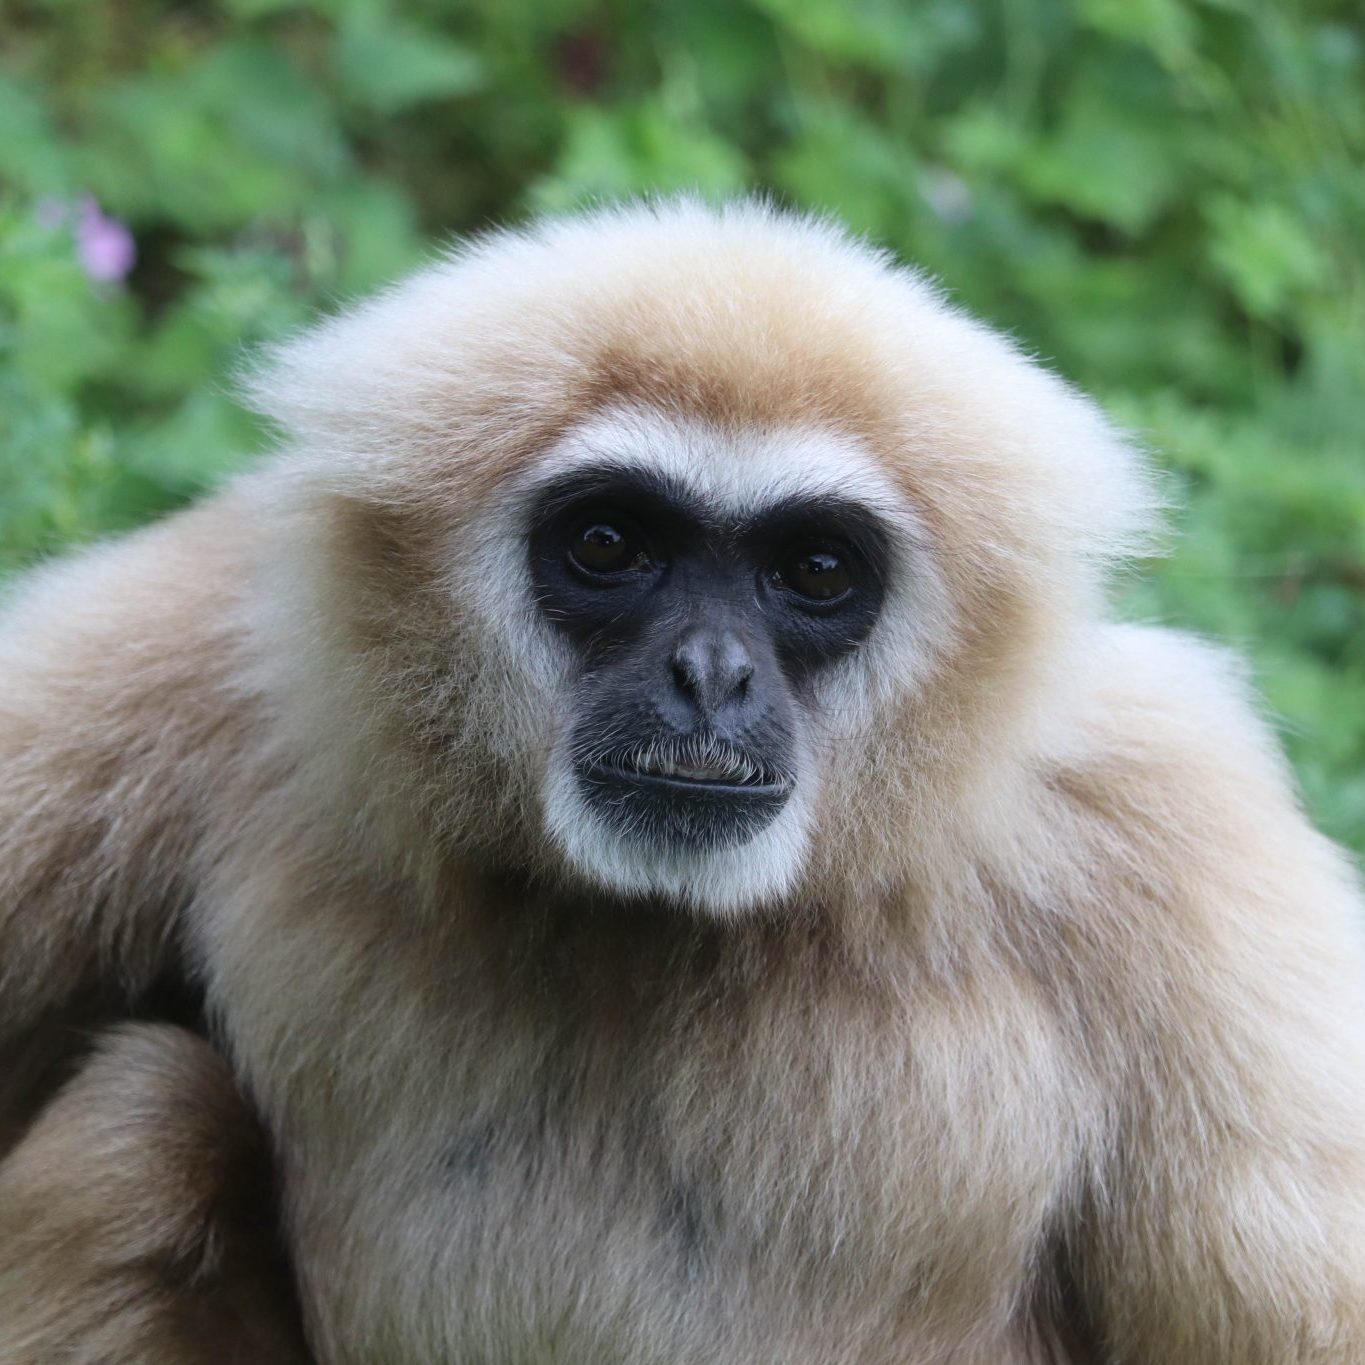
column 700, row 637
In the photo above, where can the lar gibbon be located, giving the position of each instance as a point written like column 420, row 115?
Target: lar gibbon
column 675, row 856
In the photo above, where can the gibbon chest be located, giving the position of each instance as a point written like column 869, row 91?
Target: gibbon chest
column 701, row 1177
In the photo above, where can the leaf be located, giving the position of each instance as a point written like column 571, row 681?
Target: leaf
column 884, row 34
column 644, row 149
column 1265, row 252
column 387, row 64
column 1105, row 162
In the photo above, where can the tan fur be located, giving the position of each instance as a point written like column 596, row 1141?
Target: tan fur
column 133, row 1219
column 1057, row 1033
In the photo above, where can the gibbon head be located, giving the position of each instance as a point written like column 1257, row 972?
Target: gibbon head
column 685, row 553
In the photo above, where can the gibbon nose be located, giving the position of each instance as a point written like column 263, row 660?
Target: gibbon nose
column 712, row 667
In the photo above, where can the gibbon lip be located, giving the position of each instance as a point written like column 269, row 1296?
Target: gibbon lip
column 672, row 775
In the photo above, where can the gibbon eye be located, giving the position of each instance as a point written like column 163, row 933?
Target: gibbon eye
column 601, row 548
column 818, row 572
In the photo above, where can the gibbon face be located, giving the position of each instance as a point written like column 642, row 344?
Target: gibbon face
column 711, row 590
column 689, row 554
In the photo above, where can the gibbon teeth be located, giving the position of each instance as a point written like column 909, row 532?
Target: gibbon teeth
column 732, row 770
column 685, row 770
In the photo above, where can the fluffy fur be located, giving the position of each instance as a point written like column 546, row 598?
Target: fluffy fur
column 1033, row 1026
column 135, row 1218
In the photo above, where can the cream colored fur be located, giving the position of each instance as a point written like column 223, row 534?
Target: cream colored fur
column 1038, row 1026
column 135, row 1219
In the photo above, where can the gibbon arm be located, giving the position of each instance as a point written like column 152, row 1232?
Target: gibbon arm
column 136, row 1221
column 1226, row 1224
column 115, row 730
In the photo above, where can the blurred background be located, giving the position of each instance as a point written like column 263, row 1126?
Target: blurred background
column 1164, row 199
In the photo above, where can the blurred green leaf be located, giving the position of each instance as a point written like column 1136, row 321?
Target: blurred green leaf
column 388, row 65
column 1105, row 161
column 641, row 150
column 1265, row 252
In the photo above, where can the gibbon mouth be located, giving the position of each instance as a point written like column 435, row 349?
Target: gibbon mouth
column 696, row 797
column 727, row 772
column 684, row 782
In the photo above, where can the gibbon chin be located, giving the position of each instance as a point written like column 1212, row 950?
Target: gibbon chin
column 678, row 864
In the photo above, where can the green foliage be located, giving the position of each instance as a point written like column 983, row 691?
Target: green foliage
column 1164, row 198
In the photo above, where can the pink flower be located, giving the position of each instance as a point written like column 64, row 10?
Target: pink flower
column 104, row 245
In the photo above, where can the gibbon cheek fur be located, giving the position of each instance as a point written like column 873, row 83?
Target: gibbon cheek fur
column 676, row 856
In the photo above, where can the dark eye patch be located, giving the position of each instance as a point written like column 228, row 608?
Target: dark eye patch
column 619, row 555
column 809, row 538
column 601, row 545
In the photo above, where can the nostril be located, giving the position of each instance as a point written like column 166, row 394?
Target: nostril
column 683, row 676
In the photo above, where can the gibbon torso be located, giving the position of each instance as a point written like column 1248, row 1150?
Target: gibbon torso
column 638, row 1139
